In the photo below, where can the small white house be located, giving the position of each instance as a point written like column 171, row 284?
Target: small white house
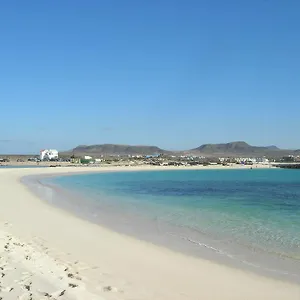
column 48, row 154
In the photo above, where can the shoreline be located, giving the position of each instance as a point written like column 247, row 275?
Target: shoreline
column 140, row 166
column 136, row 271
column 186, row 241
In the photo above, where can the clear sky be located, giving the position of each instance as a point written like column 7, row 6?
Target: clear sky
column 170, row 73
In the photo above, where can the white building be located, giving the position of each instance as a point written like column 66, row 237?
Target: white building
column 48, row 154
column 263, row 160
column 87, row 157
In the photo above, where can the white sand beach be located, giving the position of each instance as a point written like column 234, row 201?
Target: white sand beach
column 47, row 253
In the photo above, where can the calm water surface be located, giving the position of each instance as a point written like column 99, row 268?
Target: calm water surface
column 233, row 212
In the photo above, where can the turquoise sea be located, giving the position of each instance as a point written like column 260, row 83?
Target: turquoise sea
column 250, row 217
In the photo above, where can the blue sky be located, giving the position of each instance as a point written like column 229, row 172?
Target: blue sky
column 175, row 74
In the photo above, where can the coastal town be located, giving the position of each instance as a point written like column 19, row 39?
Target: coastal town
column 52, row 157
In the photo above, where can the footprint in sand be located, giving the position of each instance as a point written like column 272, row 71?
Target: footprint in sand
column 26, row 296
column 8, row 289
column 58, row 294
column 28, row 286
column 45, row 294
column 112, row 289
column 107, row 288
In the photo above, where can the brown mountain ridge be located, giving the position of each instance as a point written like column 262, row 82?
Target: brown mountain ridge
column 238, row 148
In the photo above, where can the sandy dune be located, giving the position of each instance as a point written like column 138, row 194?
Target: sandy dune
column 47, row 253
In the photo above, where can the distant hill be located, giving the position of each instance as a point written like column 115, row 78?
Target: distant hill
column 113, row 149
column 233, row 149
column 272, row 147
column 239, row 148
column 297, row 152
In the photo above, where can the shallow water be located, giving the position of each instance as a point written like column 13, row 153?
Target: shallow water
column 249, row 216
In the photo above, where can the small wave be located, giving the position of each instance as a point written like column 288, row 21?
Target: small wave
column 231, row 256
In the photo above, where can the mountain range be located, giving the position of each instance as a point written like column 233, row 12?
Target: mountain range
column 114, row 149
column 238, row 148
